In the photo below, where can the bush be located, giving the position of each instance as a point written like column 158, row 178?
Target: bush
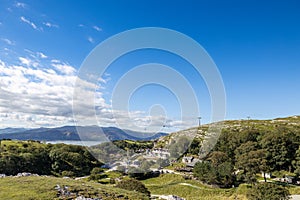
column 133, row 185
column 268, row 191
column 68, row 173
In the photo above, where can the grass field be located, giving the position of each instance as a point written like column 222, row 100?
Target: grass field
column 168, row 184
column 189, row 189
column 35, row 188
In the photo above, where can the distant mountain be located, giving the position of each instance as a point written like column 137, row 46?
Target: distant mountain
column 12, row 130
column 87, row 133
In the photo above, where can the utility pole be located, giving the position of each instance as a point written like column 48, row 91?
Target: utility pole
column 199, row 118
column 248, row 117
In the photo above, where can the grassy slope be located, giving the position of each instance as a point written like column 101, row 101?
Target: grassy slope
column 290, row 123
column 189, row 189
column 168, row 184
column 28, row 188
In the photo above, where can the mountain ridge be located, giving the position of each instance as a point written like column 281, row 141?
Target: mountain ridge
column 92, row 133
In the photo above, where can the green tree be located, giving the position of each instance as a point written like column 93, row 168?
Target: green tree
column 281, row 148
column 217, row 158
column 296, row 162
column 72, row 158
column 268, row 191
column 97, row 173
column 251, row 160
column 205, row 172
column 217, row 170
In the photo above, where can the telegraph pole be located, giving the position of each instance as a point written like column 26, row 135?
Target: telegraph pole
column 248, row 117
column 199, row 119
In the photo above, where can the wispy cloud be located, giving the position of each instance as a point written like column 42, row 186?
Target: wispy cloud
column 23, row 19
column 64, row 68
column 20, row 5
column 81, row 25
column 28, row 62
column 50, row 25
column 97, row 28
column 7, row 41
column 41, row 55
column 90, row 39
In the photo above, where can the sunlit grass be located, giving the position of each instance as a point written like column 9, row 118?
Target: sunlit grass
column 189, row 189
column 29, row 188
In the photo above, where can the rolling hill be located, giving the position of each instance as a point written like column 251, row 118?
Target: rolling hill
column 87, row 133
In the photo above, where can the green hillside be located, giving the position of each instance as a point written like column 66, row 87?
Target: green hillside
column 35, row 187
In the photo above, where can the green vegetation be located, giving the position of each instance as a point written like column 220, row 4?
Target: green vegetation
column 268, row 191
column 45, row 159
column 28, row 188
column 189, row 189
column 133, row 185
column 220, row 174
column 133, row 145
column 243, row 151
column 251, row 147
column 194, row 190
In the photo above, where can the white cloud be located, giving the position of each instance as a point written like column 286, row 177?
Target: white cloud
column 41, row 93
column 81, row 25
column 38, row 96
column 25, row 61
column 97, row 28
column 20, row 5
column 28, row 62
column 7, row 41
column 41, row 55
column 55, row 61
column 23, row 19
column 64, row 68
column 90, row 39
column 50, row 25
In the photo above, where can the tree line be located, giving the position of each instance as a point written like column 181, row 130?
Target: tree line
column 45, row 159
column 240, row 154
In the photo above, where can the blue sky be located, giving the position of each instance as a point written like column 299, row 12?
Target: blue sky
column 255, row 44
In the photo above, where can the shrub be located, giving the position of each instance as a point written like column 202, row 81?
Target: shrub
column 268, row 191
column 133, row 185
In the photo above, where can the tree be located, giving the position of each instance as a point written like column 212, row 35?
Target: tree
column 225, row 174
column 205, row 172
column 251, row 160
column 216, row 170
column 281, row 147
column 217, row 158
column 133, row 185
column 72, row 158
column 296, row 162
column 97, row 173
column 268, row 191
